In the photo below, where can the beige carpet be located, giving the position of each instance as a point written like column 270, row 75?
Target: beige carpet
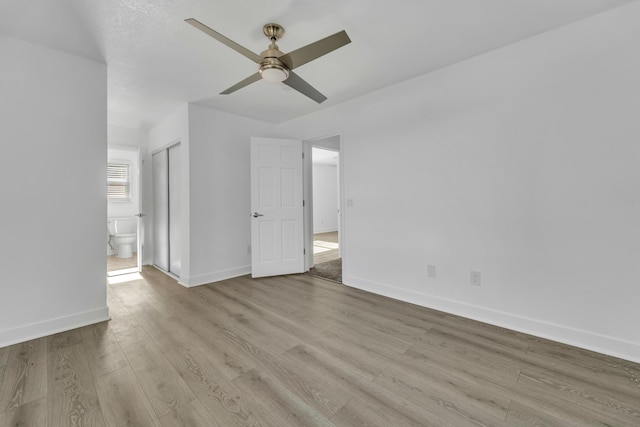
column 326, row 257
column 330, row 270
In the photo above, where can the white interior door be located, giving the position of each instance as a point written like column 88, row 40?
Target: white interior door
column 277, row 238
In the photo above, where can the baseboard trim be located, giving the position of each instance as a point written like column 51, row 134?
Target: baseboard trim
column 53, row 326
column 216, row 276
column 567, row 335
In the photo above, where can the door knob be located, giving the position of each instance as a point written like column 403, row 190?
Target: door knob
column 256, row 214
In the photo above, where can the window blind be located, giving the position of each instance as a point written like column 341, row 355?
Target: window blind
column 119, row 182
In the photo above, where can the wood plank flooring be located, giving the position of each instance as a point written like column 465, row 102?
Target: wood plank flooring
column 114, row 263
column 300, row 351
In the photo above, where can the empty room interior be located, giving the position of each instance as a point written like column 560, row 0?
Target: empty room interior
column 294, row 213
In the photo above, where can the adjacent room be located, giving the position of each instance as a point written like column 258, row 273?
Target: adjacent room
column 123, row 209
column 292, row 213
column 327, row 262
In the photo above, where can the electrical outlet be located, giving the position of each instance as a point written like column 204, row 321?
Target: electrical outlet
column 431, row 271
column 475, row 278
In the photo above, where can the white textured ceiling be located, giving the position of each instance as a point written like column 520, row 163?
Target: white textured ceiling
column 321, row 156
column 157, row 62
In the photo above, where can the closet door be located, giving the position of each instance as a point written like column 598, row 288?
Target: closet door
column 175, row 217
column 161, row 209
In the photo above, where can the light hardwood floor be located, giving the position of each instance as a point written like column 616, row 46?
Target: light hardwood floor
column 325, row 255
column 114, row 263
column 297, row 350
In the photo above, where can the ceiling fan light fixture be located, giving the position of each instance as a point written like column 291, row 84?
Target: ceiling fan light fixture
column 274, row 73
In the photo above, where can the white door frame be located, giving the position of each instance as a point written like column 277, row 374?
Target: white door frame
column 307, row 170
column 141, row 214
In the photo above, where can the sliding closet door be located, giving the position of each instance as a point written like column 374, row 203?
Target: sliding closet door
column 175, row 235
column 161, row 209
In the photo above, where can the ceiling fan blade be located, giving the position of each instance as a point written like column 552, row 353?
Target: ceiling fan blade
column 301, row 56
column 295, row 81
column 246, row 82
column 224, row 40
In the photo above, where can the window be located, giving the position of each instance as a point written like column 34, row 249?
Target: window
column 119, row 182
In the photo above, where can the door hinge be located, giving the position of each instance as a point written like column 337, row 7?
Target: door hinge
column 303, row 203
column 304, row 251
column 303, row 154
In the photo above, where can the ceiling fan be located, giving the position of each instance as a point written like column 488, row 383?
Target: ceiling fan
column 276, row 66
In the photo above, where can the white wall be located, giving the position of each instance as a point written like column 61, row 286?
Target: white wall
column 53, row 112
column 215, row 187
column 522, row 164
column 330, row 143
column 124, row 136
column 220, row 193
column 325, row 198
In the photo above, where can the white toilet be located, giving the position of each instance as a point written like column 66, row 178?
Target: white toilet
column 125, row 233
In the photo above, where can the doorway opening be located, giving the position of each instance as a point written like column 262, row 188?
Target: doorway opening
column 123, row 210
column 325, row 218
